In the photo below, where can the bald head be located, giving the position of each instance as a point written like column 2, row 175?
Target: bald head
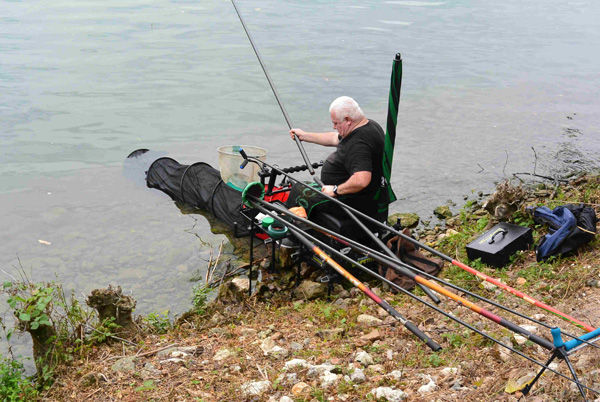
column 345, row 106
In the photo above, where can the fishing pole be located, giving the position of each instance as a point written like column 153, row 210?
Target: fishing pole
column 392, row 263
column 472, row 306
column 285, row 115
column 442, row 255
column 361, row 286
column 291, row 227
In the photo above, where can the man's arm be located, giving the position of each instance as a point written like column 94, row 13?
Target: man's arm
column 354, row 184
column 329, row 139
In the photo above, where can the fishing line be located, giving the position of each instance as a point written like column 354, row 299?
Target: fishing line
column 285, row 115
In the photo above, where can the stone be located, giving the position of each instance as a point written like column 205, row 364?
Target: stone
column 241, row 284
column 278, row 352
column 248, row 331
column 319, row 370
column 328, row 380
column 309, row 290
column 358, row 376
column 396, row 374
column 530, row 328
column 267, row 345
column 368, row 338
column 344, row 294
column 520, row 339
column 450, row 370
column 389, row 394
column 286, row 398
column 364, row 358
column 295, row 363
column 443, row 212
column 427, row 388
column 149, row 371
column 377, row 368
column 255, row 388
column 407, row 220
column 330, row 333
column 301, row 389
column 295, row 346
column 217, row 319
column 224, row 354
column 368, row 320
column 124, row 365
column 521, row 281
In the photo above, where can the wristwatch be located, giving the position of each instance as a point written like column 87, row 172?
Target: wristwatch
column 335, row 190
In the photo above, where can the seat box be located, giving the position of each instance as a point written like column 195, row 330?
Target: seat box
column 496, row 245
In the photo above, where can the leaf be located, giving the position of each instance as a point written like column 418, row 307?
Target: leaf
column 7, row 284
column 9, row 335
column 24, row 317
column 34, row 325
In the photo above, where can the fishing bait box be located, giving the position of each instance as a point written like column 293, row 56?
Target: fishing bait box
column 496, row 245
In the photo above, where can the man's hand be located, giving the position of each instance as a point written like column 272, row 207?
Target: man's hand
column 298, row 132
column 328, row 190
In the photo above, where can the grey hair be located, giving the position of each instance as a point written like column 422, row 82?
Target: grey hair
column 346, row 106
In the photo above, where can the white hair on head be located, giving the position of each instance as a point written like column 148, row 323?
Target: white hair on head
column 345, row 106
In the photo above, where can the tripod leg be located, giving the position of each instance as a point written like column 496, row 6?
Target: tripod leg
column 572, row 370
column 527, row 388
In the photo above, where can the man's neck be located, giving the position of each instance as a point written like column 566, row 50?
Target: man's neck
column 359, row 124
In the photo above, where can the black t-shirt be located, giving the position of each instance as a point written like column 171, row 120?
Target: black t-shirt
column 360, row 151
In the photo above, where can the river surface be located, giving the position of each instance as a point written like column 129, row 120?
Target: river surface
column 489, row 89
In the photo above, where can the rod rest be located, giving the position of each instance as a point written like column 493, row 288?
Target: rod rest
column 291, row 169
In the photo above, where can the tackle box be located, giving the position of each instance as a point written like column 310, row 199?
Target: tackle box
column 496, row 245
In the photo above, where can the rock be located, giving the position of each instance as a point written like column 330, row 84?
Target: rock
column 344, row 294
column 296, row 346
column 294, row 363
column 407, row 220
column 328, row 380
column 254, row 388
column 301, row 389
column 377, row 368
column 389, row 394
column 267, row 345
column 124, row 365
column 443, row 212
column 309, row 290
column 241, row 284
column 248, row 331
column 358, row 376
column 450, row 370
column 368, row 320
column 364, row 358
column 224, row 354
column 520, row 339
column 172, row 360
column 92, row 379
column 368, row 338
column 330, row 333
column 278, row 352
column 319, row 370
column 396, row 374
column 593, row 283
column 488, row 286
column 149, row 371
column 521, row 281
column 539, row 317
column 429, row 387
column 286, row 399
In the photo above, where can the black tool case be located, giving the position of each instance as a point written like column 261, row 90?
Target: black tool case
column 496, row 245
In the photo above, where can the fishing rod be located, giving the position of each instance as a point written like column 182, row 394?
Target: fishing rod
column 392, row 263
column 291, row 226
column 480, row 275
column 362, row 287
column 285, row 115
column 467, row 303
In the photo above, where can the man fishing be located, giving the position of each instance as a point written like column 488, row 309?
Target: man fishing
column 354, row 170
